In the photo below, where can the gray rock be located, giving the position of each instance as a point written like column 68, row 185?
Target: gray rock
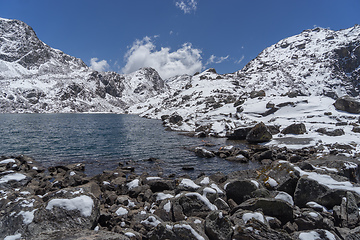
column 308, row 190
column 258, row 134
column 175, row 119
column 240, row 190
column 66, row 209
column 191, row 204
column 347, row 104
column 253, row 225
column 271, row 207
column 239, row 133
column 347, row 214
column 255, row 94
column 295, row 128
column 308, row 219
column 333, row 133
column 283, row 173
column 177, row 230
column 218, row 226
column 202, row 152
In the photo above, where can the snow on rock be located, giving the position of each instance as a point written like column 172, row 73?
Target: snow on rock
column 188, row 227
column 13, row 237
column 6, row 161
column 133, row 184
column 12, row 177
column 84, row 204
column 188, row 183
column 258, row 216
column 285, row 197
column 206, row 201
column 163, row 196
column 121, row 211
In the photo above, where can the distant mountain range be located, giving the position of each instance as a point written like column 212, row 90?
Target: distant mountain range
column 294, row 80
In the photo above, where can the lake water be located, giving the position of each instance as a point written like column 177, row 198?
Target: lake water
column 102, row 141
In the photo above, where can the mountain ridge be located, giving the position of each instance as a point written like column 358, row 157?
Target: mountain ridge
column 37, row 78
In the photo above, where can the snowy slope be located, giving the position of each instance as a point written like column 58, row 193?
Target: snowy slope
column 315, row 62
column 301, row 76
column 37, row 78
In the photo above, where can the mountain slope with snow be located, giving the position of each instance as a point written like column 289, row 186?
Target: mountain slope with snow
column 296, row 80
column 37, row 78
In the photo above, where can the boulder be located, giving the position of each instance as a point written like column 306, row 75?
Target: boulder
column 175, row 119
column 282, row 176
column 295, row 128
column 203, row 152
column 178, row 230
column 356, row 129
column 240, row 190
column 239, row 133
column 253, row 225
column 191, row 204
column 307, row 219
column 333, row 133
column 271, row 207
column 218, row 226
column 310, row 190
column 347, row 214
column 255, row 94
column 66, row 209
column 347, row 104
column 258, row 134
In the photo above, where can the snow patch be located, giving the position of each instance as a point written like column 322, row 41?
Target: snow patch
column 121, row 211
column 188, row 183
column 83, row 204
column 12, row 177
column 258, row 216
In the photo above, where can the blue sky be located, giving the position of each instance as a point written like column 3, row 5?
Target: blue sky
column 174, row 36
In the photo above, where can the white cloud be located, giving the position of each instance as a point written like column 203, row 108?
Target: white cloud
column 187, row 5
column 99, row 66
column 240, row 60
column 214, row 59
column 143, row 53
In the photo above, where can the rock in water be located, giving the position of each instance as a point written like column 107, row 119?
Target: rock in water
column 258, row 134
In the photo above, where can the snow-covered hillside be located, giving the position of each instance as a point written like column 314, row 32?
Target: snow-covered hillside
column 296, row 80
column 37, row 78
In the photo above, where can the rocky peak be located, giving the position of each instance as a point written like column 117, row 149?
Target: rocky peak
column 19, row 44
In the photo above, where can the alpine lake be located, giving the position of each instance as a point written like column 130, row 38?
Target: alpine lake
column 103, row 141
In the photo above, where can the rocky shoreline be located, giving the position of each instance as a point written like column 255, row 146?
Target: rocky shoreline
column 295, row 194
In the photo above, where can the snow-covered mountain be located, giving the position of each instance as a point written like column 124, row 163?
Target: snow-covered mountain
column 296, row 80
column 37, row 78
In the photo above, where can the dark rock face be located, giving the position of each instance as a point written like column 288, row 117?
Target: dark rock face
column 296, row 128
column 347, row 104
